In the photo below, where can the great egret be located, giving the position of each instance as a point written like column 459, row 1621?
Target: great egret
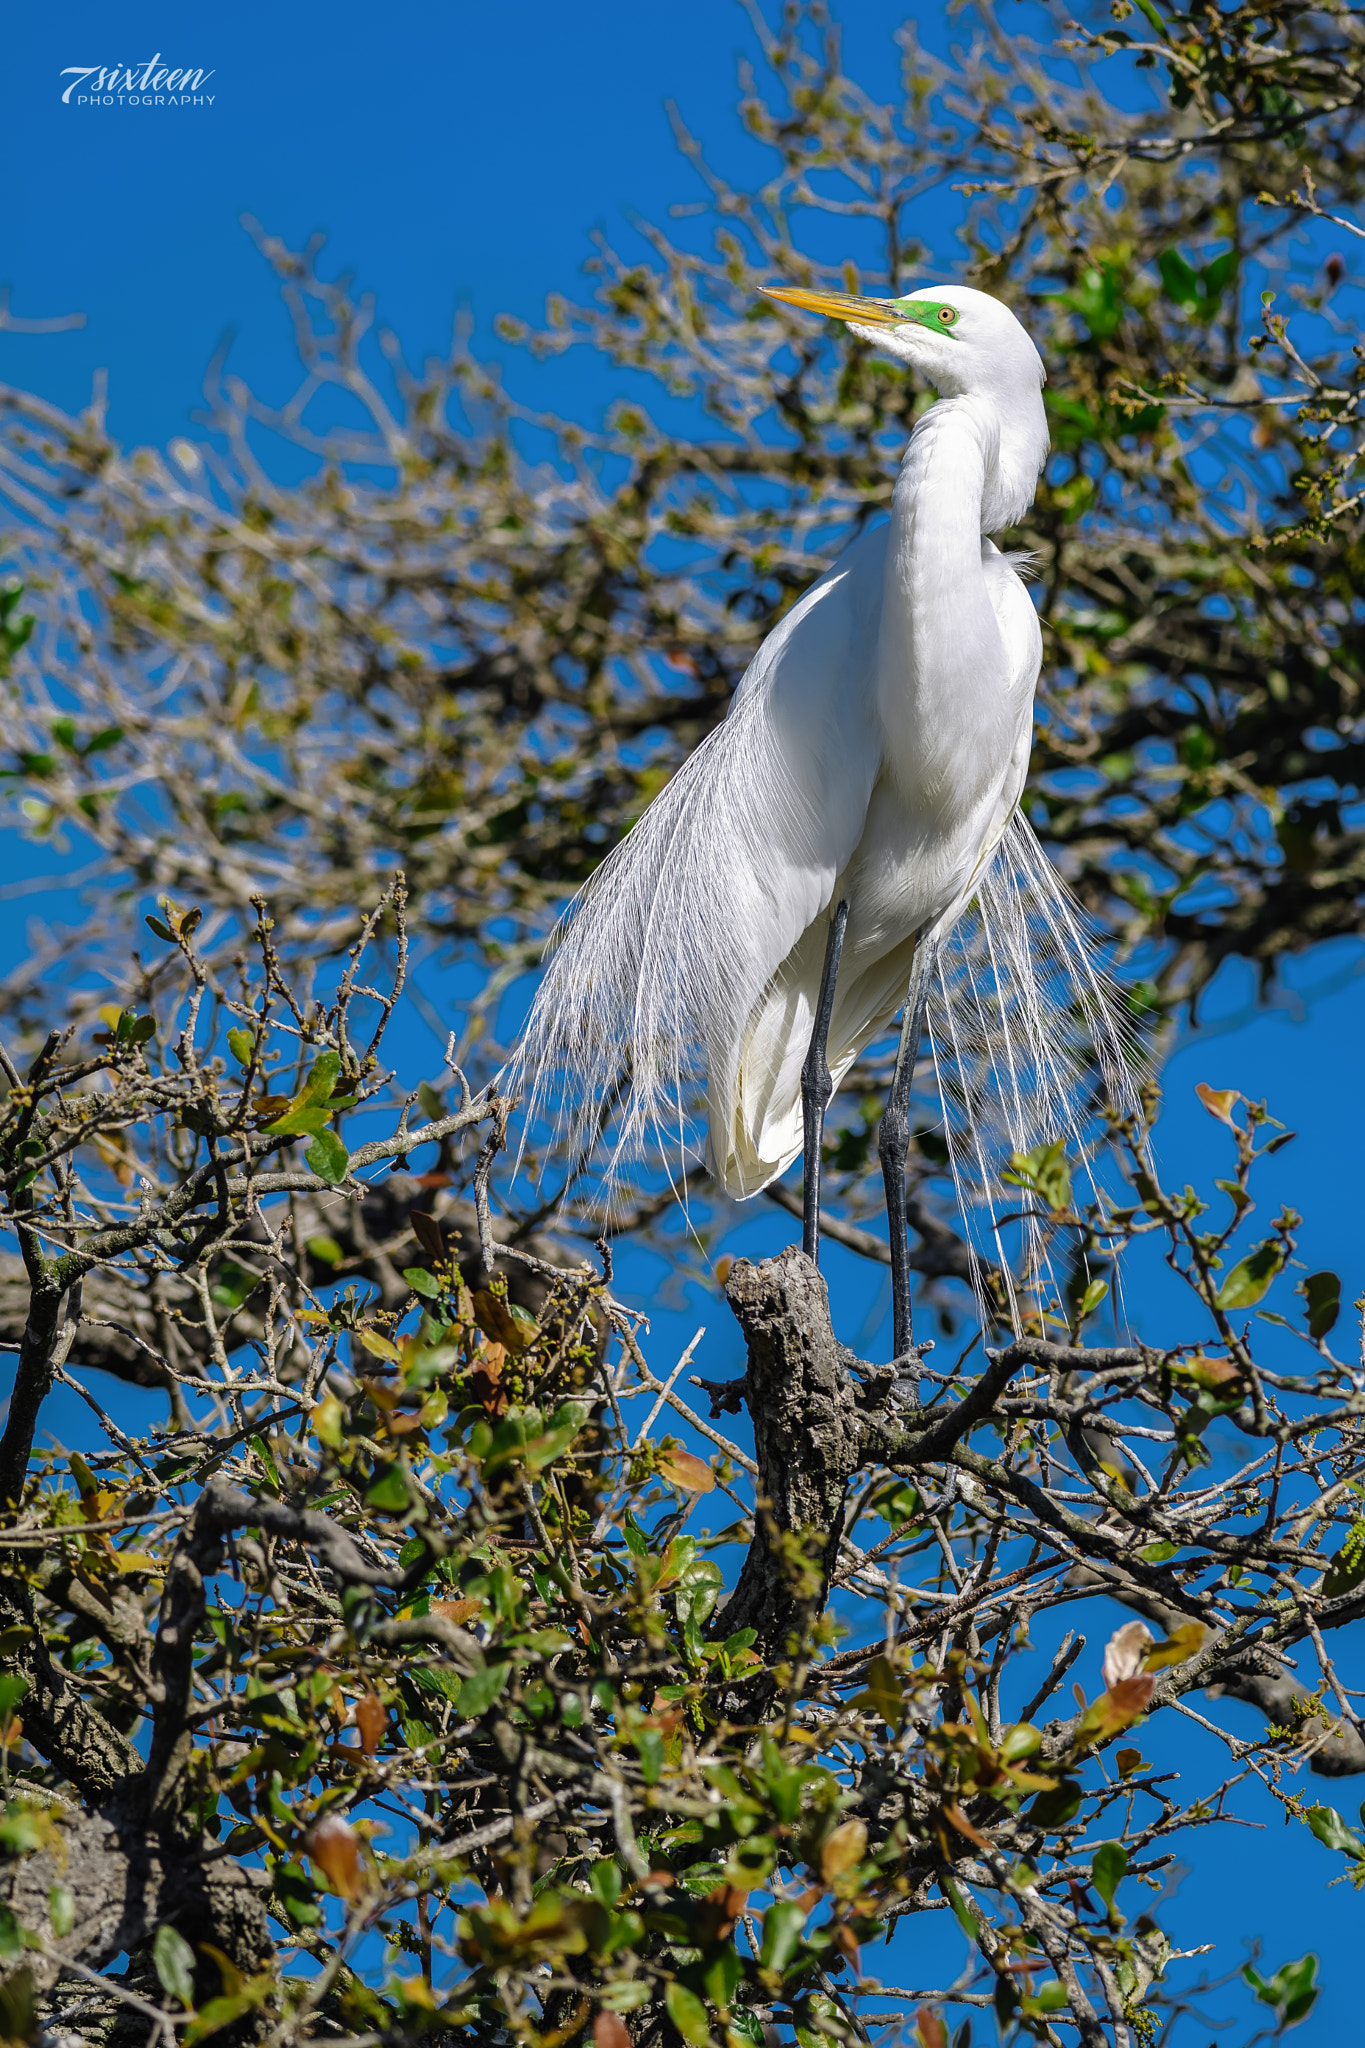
column 794, row 884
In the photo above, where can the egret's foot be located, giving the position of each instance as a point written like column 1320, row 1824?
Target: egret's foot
column 905, row 1366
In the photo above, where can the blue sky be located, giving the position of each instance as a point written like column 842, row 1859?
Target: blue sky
column 457, row 156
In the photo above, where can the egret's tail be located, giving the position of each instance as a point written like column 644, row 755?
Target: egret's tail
column 1030, row 1039
column 1025, row 1025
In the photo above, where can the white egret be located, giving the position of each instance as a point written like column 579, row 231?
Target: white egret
column 794, row 884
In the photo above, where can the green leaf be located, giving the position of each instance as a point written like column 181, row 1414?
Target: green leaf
column 782, row 1926
column 1157, row 23
column 1179, row 279
column 962, row 1912
column 11, row 1936
column 1322, row 1302
column 743, row 2021
column 12, row 1690
column 221, row 2012
column 722, row 1978
column 1219, row 274
column 1053, row 1809
column 1091, row 1299
column 422, row 1282
column 481, row 1688
column 604, row 1881
column 1250, row 1279
column 174, row 1959
column 297, row 1893
column 390, row 1492
column 1329, row 1827
column 688, row 2013
column 24, row 1829
column 649, row 1744
column 885, row 1692
column 1020, row 1740
column 1291, row 1990
column 1347, row 1568
column 309, row 1111
column 1107, row 1866
column 1045, row 1171
column 328, row 1158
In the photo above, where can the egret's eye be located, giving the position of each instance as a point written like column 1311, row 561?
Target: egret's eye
column 947, row 314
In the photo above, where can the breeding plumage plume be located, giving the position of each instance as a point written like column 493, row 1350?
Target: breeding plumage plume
column 803, row 876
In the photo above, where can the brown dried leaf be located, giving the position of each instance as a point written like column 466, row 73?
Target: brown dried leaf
column 930, row 2028
column 1131, row 1695
column 457, row 1610
column 964, row 1826
column 688, row 1474
column 334, row 1846
column 428, row 1233
column 371, row 1718
column 496, row 1320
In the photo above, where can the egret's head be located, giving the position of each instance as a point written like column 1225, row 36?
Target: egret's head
column 962, row 341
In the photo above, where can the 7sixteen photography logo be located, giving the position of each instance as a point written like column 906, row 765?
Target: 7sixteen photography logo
column 136, row 85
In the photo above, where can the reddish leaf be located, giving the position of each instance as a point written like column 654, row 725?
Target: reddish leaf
column 334, row 1846
column 688, row 1474
column 721, row 1910
column 930, row 2028
column 609, row 2030
column 403, row 1423
column 371, row 1718
column 457, row 1610
column 428, row 1233
column 964, row 1826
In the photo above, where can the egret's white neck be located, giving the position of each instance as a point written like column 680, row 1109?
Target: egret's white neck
column 1011, row 428
column 943, row 672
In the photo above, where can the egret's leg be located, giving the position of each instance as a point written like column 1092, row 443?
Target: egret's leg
column 815, row 1085
column 893, row 1142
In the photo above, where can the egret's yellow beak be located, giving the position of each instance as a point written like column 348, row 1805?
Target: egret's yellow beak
column 842, row 306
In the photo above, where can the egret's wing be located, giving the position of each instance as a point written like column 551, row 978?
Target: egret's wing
column 756, row 1127
column 665, row 952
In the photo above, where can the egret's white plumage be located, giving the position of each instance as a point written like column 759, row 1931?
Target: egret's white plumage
column 875, row 752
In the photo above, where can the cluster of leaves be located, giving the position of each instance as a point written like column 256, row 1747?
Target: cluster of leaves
column 401, row 1620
